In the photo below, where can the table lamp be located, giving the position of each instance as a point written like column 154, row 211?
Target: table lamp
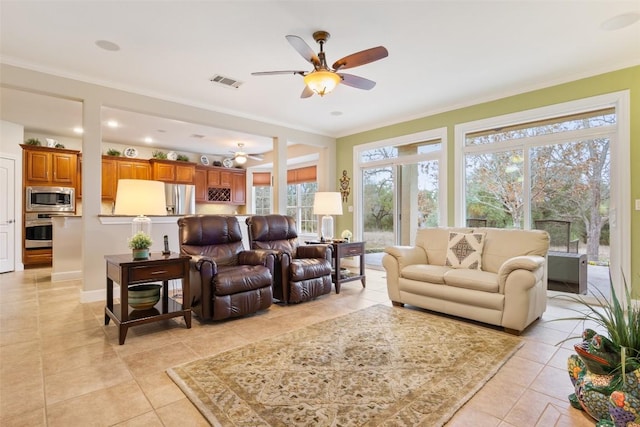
column 140, row 197
column 327, row 204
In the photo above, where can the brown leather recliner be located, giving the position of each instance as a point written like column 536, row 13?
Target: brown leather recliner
column 226, row 280
column 304, row 272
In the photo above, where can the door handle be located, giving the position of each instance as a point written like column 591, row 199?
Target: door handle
column 9, row 221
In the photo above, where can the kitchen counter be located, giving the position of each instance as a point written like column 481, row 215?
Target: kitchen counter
column 67, row 248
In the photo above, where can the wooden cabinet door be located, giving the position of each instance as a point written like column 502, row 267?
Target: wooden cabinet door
column 201, row 185
column 213, row 178
column 132, row 169
column 225, row 179
column 163, row 172
column 238, row 188
column 79, row 178
column 141, row 170
column 37, row 167
column 109, row 179
column 64, row 169
column 184, row 173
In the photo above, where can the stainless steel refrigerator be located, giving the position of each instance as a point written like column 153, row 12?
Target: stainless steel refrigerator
column 181, row 199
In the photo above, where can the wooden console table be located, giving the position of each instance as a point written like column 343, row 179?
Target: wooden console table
column 126, row 271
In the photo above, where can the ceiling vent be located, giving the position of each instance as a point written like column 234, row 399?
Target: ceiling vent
column 225, row 81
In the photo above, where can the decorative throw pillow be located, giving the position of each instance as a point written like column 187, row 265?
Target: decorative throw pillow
column 465, row 250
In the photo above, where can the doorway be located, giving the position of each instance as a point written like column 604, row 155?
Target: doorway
column 7, row 215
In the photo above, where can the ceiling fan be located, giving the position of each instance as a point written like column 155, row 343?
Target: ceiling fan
column 240, row 156
column 322, row 79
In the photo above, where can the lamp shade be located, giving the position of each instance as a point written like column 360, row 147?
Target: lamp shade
column 241, row 158
column 322, row 81
column 140, row 197
column 327, row 203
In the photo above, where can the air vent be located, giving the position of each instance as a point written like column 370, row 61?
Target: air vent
column 225, row 81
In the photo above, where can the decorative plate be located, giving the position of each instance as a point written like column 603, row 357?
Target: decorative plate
column 227, row 163
column 172, row 155
column 204, row 160
column 130, row 152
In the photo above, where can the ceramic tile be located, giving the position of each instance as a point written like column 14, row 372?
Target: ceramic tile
column 62, row 346
column 106, row 406
column 180, row 414
column 158, row 360
column 34, row 418
column 86, row 379
column 159, row 389
column 149, row 419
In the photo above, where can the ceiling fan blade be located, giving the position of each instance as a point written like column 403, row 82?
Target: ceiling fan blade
column 303, row 49
column 357, row 82
column 273, row 73
column 306, row 92
column 258, row 157
column 361, row 58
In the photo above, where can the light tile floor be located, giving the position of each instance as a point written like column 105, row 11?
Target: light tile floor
column 60, row 366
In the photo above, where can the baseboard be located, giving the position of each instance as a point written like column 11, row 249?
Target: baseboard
column 98, row 295
column 67, row 275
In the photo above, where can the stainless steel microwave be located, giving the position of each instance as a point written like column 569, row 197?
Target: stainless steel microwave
column 50, row 199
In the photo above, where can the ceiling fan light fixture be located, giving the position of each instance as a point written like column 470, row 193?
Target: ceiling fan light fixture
column 322, row 82
column 241, row 158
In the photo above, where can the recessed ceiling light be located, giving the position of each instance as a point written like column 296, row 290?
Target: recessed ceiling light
column 620, row 21
column 78, row 130
column 107, row 45
column 112, row 123
column 148, row 140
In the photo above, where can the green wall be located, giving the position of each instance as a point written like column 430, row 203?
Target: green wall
column 625, row 79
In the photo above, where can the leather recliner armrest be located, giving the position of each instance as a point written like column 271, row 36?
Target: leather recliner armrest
column 314, row 251
column 202, row 270
column 266, row 257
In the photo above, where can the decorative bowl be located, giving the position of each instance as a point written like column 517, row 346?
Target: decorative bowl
column 143, row 297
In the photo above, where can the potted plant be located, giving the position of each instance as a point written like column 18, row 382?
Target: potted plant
column 33, row 141
column 182, row 158
column 605, row 371
column 113, row 152
column 160, row 155
column 140, row 244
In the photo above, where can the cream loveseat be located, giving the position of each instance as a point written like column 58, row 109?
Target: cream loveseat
column 508, row 289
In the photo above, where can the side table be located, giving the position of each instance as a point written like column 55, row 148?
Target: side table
column 345, row 250
column 126, row 271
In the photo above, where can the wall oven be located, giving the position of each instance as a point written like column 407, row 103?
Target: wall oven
column 50, row 199
column 38, row 231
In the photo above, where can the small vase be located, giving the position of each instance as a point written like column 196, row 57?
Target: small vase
column 141, row 253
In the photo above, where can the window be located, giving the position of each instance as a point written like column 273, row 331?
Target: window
column 262, row 193
column 401, row 181
column 553, row 169
column 301, row 188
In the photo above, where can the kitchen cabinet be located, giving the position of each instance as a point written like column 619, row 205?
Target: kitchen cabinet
column 200, row 179
column 133, row 169
column 49, row 166
column 220, row 185
column 115, row 168
column 238, row 188
column 31, row 257
column 109, row 178
column 172, row 171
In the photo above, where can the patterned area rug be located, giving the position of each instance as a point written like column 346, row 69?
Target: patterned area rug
column 377, row 366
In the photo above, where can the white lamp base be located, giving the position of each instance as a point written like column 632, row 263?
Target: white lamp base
column 327, row 228
column 141, row 223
